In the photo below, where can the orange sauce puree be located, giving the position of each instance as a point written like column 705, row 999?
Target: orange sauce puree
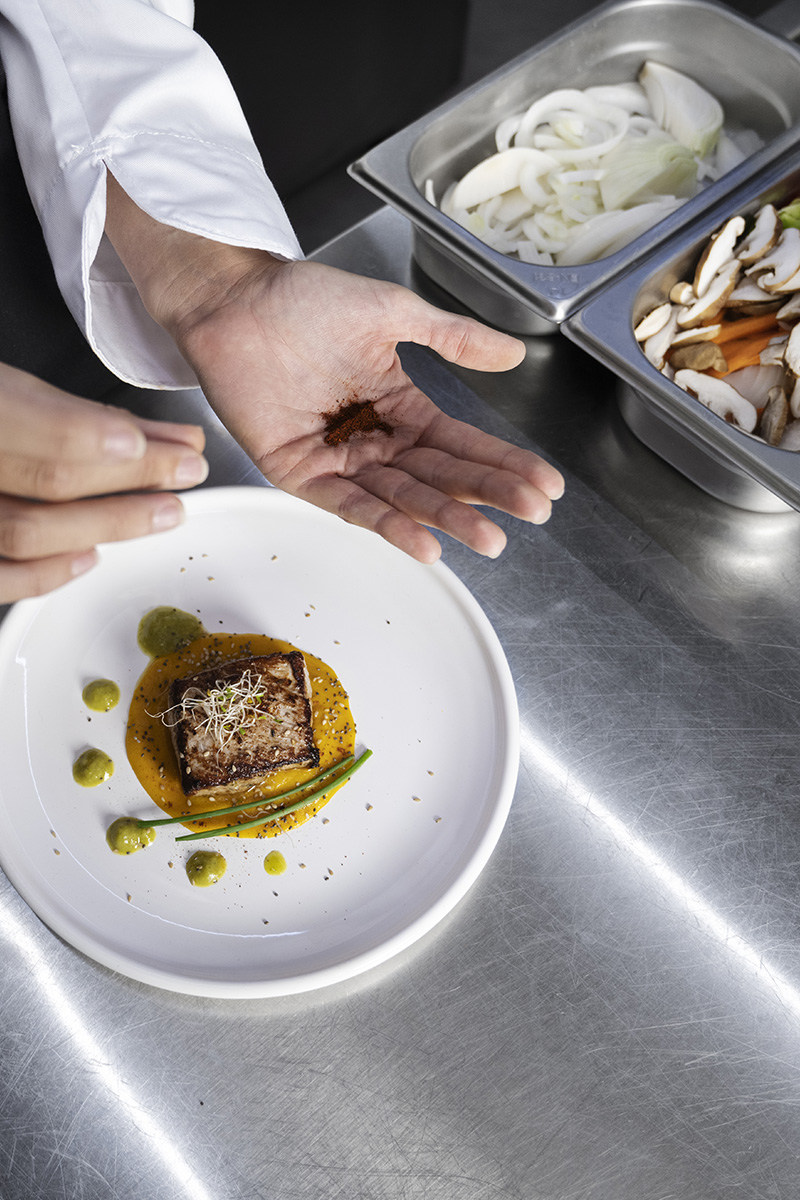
column 149, row 744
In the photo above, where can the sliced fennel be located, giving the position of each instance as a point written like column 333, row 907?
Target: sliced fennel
column 682, row 107
column 643, row 167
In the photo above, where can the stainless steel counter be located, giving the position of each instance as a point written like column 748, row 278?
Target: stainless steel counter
column 613, row 1011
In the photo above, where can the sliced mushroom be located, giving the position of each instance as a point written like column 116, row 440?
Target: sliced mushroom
column 772, row 354
column 791, row 437
column 749, row 300
column 762, row 237
column 781, row 264
column 791, row 353
column 792, row 284
column 794, row 396
column 698, row 333
column 715, row 297
column 699, row 356
column 657, row 345
column 653, row 322
column 789, row 312
column 720, row 398
column 717, row 254
column 758, row 310
column 682, row 293
column 774, row 417
column 748, row 291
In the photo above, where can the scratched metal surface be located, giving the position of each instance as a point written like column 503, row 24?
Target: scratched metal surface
column 613, row 1011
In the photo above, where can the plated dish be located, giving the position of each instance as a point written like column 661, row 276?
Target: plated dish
column 432, row 696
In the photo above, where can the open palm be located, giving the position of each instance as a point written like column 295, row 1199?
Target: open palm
column 288, row 345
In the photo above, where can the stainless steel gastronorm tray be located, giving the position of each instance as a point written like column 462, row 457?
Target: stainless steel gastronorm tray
column 722, row 460
column 755, row 74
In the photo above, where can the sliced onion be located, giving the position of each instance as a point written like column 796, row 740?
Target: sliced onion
column 542, row 111
column 629, row 96
column 551, row 162
column 497, row 174
column 529, row 254
column 531, row 186
column 506, row 132
column 590, row 176
column 513, row 205
column 610, row 231
column 755, row 382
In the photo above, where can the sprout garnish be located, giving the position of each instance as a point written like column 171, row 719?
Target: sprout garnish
column 224, row 711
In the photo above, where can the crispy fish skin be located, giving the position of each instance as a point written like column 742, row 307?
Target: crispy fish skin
column 277, row 732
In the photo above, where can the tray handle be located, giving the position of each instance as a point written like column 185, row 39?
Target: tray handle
column 782, row 18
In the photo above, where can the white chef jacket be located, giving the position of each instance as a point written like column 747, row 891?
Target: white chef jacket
column 127, row 86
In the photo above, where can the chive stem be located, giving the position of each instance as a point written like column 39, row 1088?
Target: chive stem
column 280, row 812
column 224, row 812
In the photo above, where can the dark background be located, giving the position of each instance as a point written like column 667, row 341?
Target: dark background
column 320, row 85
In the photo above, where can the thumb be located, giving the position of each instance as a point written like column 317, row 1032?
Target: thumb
column 463, row 340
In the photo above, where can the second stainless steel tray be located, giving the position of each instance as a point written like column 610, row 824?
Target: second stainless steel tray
column 723, row 460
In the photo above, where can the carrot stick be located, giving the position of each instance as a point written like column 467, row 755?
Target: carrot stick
column 744, row 352
column 744, row 327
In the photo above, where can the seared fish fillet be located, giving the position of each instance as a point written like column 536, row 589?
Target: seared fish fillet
column 235, row 723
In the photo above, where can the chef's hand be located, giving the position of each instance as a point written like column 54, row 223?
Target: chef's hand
column 294, row 343
column 279, row 346
column 71, row 475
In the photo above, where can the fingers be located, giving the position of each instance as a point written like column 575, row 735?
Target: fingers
column 39, row 420
column 402, row 510
column 192, row 436
column 19, row 580
column 434, row 508
column 65, row 466
column 464, row 448
column 165, row 466
column 42, row 546
column 43, row 424
column 427, row 488
column 32, row 531
column 475, row 483
column 357, row 506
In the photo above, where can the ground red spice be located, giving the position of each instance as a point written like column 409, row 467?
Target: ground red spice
column 359, row 416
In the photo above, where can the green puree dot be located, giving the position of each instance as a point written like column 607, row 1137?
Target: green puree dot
column 124, row 836
column 92, row 767
column 165, row 629
column 274, row 863
column 205, row 867
column 101, row 695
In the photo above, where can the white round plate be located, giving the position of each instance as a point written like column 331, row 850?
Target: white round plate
column 388, row 857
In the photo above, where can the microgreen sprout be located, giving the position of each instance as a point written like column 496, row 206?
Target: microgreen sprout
column 222, row 712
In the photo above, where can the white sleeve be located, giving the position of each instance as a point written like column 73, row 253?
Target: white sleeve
column 127, row 86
